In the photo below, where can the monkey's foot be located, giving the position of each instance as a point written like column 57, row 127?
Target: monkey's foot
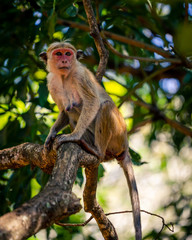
column 88, row 148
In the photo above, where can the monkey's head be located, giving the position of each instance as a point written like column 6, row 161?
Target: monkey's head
column 61, row 57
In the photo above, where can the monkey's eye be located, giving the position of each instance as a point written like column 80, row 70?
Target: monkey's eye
column 68, row 54
column 58, row 53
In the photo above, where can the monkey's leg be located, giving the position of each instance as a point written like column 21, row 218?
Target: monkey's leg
column 96, row 143
column 59, row 124
column 91, row 205
column 103, row 128
column 86, row 142
column 88, row 148
column 126, row 164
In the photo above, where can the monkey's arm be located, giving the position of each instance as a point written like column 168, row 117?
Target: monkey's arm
column 59, row 124
column 91, row 104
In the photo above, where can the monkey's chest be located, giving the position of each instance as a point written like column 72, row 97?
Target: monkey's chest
column 65, row 96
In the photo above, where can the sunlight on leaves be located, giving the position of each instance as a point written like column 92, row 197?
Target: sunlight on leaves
column 58, row 35
column 115, row 88
column 4, row 119
column 37, row 39
column 129, row 123
column 50, row 99
column 40, row 74
column 21, row 107
column 35, row 187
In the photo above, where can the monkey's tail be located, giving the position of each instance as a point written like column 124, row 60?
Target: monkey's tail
column 126, row 164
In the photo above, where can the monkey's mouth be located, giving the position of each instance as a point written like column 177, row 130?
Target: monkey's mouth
column 63, row 67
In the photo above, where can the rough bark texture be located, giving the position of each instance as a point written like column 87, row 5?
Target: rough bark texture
column 56, row 200
column 25, row 154
column 91, row 205
column 53, row 203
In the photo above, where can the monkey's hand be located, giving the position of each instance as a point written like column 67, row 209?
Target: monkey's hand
column 73, row 137
column 49, row 141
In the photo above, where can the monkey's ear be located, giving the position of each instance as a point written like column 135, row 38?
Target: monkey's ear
column 80, row 54
column 43, row 57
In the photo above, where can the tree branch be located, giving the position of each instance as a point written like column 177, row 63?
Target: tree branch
column 94, row 32
column 145, row 80
column 144, row 59
column 56, row 200
column 160, row 115
column 25, row 154
column 171, row 229
column 53, row 203
column 139, row 125
column 117, row 37
column 91, row 205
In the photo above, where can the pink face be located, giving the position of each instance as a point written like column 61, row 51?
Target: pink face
column 63, row 57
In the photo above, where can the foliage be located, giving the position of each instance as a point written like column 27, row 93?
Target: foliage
column 27, row 111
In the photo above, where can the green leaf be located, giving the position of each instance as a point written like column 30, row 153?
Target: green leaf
column 136, row 158
column 101, row 171
column 43, row 94
column 72, row 11
column 79, row 178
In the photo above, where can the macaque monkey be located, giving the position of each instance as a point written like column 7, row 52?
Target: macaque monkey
column 94, row 119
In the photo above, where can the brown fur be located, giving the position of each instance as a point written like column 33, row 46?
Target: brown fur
column 92, row 115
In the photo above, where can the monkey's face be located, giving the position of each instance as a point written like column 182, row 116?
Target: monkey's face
column 61, row 60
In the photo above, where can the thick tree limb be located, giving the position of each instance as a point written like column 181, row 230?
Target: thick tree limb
column 40, row 212
column 33, row 154
column 25, row 154
column 53, row 203
column 56, row 200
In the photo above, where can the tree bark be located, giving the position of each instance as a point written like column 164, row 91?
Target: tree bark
column 91, row 205
column 53, row 203
column 56, row 200
column 25, row 154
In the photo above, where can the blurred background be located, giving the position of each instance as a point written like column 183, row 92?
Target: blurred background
column 154, row 95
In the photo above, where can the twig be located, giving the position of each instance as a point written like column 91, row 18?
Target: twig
column 159, row 114
column 171, row 229
column 163, row 223
column 139, row 125
column 144, row 59
column 147, row 79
